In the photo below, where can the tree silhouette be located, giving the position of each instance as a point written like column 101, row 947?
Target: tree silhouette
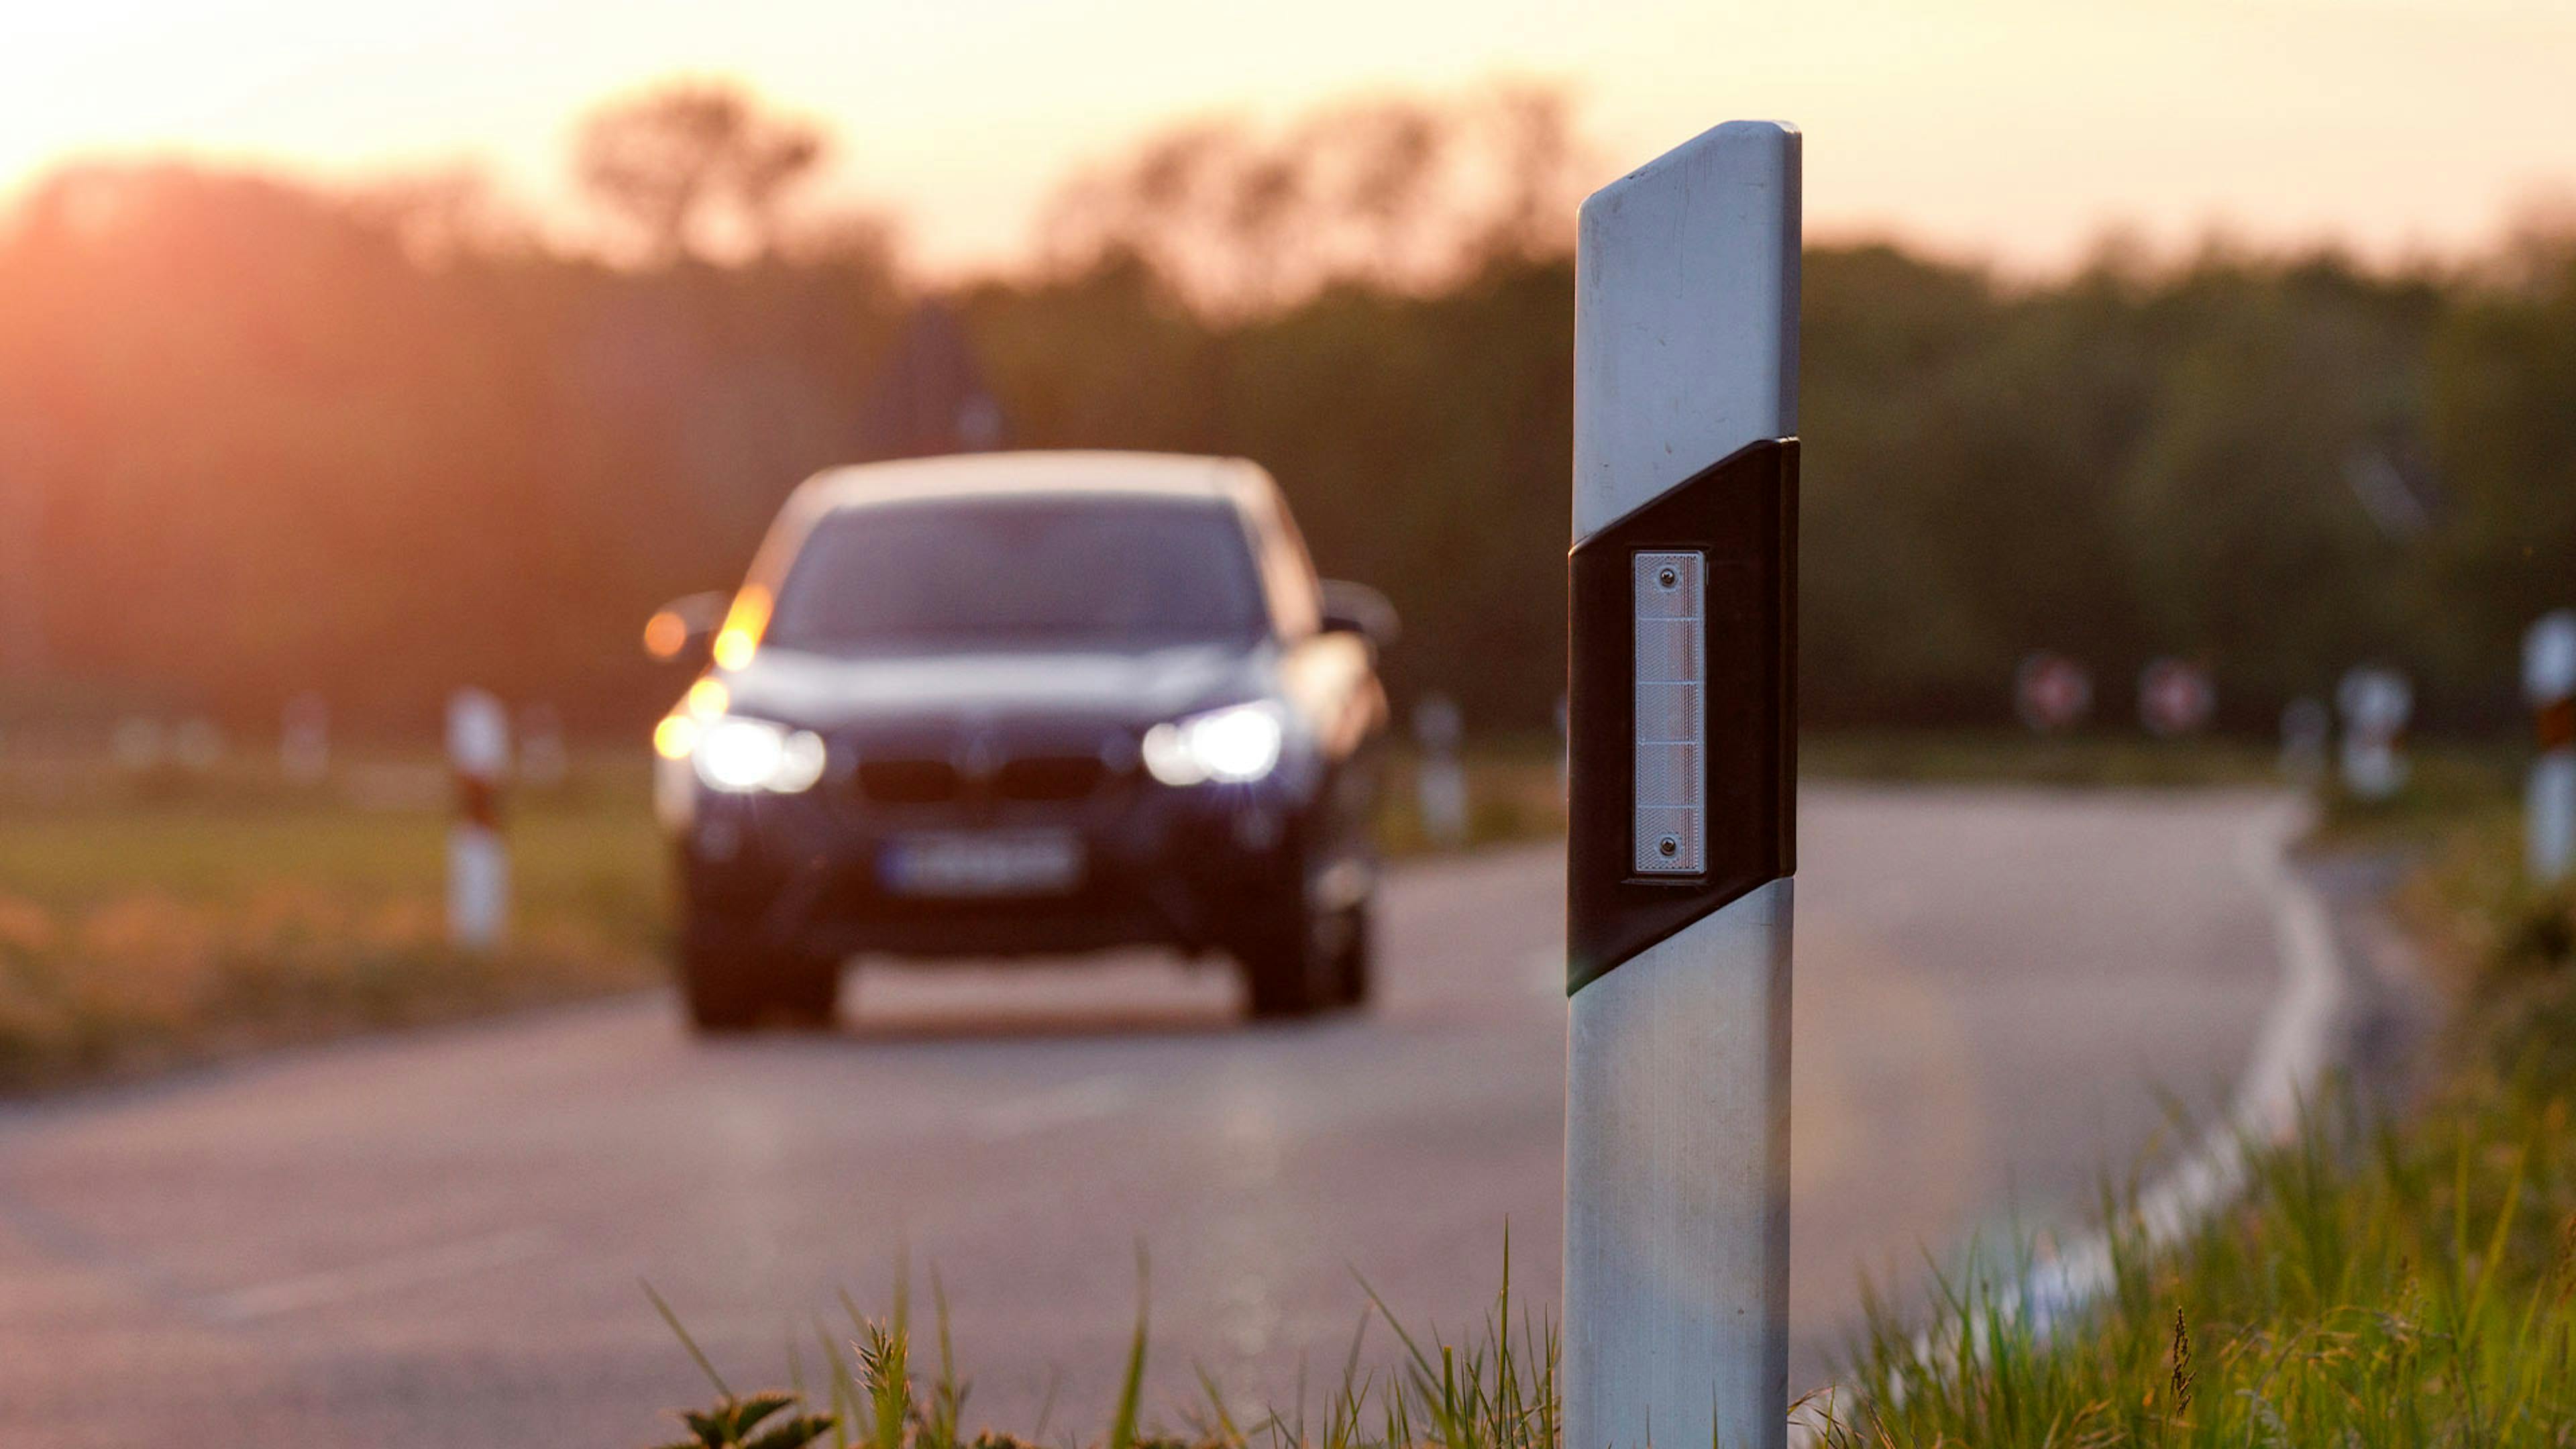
column 696, row 169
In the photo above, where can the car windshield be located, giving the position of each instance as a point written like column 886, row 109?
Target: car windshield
column 996, row 573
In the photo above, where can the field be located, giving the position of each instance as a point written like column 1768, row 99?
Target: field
column 2087, row 760
column 150, row 921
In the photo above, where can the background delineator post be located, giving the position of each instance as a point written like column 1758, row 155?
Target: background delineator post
column 478, row 863
column 2375, row 703
column 1439, row 780
column 1681, row 750
column 2549, row 683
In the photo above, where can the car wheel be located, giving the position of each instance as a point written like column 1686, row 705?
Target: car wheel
column 729, row 987
column 717, row 988
column 807, row 990
column 1355, row 957
column 1286, row 971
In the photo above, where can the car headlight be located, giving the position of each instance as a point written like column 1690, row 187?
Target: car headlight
column 1231, row 746
column 740, row 756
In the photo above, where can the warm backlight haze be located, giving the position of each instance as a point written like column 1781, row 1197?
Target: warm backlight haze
column 2014, row 128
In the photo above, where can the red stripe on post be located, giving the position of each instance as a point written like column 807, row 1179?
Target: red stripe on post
column 2556, row 725
column 478, row 802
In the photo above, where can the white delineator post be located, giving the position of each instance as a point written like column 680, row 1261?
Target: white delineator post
column 478, row 864
column 1681, row 748
column 1440, row 782
column 2549, row 683
column 2375, row 703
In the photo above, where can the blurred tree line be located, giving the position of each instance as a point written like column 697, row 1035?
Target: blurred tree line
column 258, row 438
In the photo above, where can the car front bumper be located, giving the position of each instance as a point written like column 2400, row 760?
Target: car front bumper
column 1158, row 865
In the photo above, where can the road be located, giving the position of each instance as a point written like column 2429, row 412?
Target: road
column 436, row 1239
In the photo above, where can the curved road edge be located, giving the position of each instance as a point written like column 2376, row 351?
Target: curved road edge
column 2299, row 1045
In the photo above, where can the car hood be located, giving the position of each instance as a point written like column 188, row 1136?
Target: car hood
column 822, row 692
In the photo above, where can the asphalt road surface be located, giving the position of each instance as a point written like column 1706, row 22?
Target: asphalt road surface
column 436, row 1239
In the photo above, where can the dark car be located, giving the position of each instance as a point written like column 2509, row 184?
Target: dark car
column 1026, row 704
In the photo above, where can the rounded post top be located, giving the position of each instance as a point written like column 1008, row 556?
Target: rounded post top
column 2549, row 657
column 1735, row 140
column 478, row 734
column 1686, row 316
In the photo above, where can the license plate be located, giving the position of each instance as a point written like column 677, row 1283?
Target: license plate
column 1012, row 863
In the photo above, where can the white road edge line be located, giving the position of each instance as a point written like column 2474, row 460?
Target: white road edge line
column 402, row 1270
column 2290, row 1058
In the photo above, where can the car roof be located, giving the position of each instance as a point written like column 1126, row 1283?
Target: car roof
column 1032, row 473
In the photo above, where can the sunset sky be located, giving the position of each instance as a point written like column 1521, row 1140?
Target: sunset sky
column 2020, row 129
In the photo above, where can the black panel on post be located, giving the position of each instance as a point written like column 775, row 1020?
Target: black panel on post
column 1742, row 514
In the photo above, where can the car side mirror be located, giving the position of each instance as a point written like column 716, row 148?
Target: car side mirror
column 1351, row 608
column 684, row 624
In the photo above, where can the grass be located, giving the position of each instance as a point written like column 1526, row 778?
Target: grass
column 2448, row 791
column 2000, row 757
column 1515, row 792
column 2487, row 926
column 150, row 922
column 1499, row 1391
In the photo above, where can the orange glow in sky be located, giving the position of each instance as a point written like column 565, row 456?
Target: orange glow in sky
column 2017, row 128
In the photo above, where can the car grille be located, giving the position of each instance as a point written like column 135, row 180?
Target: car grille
column 1030, row 779
column 1049, row 777
column 908, row 782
